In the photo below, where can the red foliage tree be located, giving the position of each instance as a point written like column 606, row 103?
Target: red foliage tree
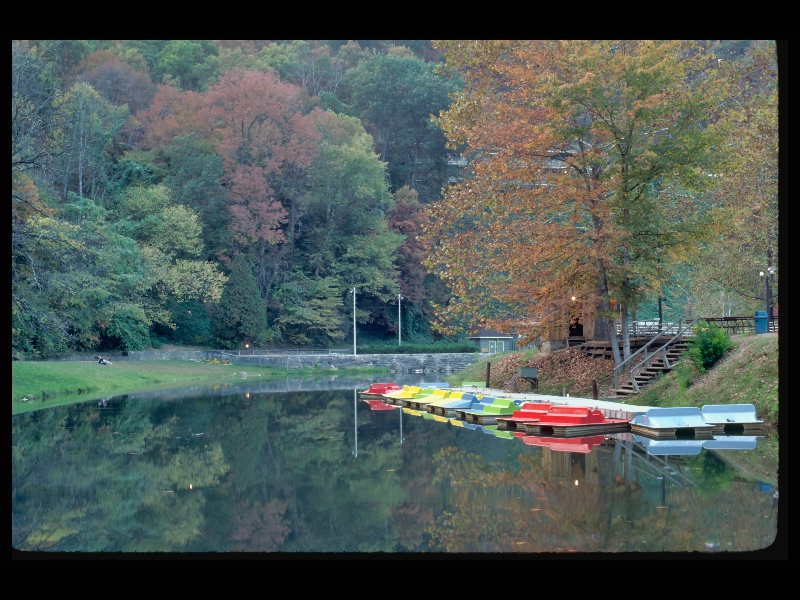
column 259, row 527
column 173, row 113
column 408, row 218
column 264, row 141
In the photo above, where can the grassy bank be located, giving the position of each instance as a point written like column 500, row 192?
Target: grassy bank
column 747, row 374
column 43, row 384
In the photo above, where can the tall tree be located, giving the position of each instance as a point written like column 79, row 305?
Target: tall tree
column 345, row 232
column 589, row 164
column 91, row 123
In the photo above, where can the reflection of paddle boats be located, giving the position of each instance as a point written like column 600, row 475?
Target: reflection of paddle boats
column 490, row 429
column 731, row 442
column 377, row 390
column 670, row 447
column 581, row 445
column 378, row 405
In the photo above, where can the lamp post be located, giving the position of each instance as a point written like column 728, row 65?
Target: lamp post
column 353, row 291
column 770, row 274
column 399, row 322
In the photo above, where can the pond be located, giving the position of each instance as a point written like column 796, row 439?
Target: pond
column 248, row 469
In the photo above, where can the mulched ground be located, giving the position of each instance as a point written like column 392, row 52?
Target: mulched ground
column 568, row 367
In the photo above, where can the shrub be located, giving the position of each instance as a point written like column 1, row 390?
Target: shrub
column 709, row 343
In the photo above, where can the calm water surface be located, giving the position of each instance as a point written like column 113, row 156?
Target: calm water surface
column 251, row 469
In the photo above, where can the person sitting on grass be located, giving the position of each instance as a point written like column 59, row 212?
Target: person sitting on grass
column 104, row 361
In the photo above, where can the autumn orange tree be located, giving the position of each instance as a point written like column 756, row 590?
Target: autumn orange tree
column 590, row 164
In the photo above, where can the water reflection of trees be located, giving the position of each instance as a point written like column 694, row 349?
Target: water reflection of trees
column 539, row 507
column 94, row 480
column 278, row 472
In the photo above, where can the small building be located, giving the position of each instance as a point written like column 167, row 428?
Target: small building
column 491, row 341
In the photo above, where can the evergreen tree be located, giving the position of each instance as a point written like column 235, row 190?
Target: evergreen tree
column 241, row 313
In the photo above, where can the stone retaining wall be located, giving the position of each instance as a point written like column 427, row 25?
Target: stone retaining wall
column 397, row 363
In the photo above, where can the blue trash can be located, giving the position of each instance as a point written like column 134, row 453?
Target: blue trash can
column 761, row 321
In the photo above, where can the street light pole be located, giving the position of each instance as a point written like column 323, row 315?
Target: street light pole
column 353, row 291
column 399, row 322
column 767, row 294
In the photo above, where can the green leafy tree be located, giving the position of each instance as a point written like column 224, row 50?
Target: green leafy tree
column 190, row 63
column 91, row 124
column 194, row 174
column 395, row 96
column 65, row 55
column 310, row 309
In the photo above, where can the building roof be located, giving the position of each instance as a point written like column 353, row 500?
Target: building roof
column 487, row 333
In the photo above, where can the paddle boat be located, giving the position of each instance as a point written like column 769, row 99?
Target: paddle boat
column 487, row 411
column 529, row 412
column 396, row 397
column 671, row 423
column 447, row 406
column 569, row 421
column 377, row 390
column 732, row 418
column 419, row 397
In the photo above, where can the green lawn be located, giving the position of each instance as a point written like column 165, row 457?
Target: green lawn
column 41, row 384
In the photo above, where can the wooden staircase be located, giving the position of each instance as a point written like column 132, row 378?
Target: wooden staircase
column 650, row 369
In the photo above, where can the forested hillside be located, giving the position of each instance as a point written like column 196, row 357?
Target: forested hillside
column 222, row 193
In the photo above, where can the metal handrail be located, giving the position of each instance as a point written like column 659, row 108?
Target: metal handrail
column 662, row 351
column 621, row 366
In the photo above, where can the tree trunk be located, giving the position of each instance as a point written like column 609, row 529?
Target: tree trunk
column 626, row 338
column 292, row 225
column 603, row 289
